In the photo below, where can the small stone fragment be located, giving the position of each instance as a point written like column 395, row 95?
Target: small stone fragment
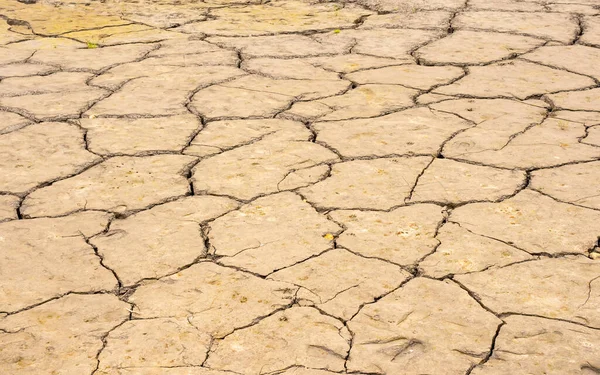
column 214, row 299
column 153, row 243
column 541, row 346
column 40, row 153
column 377, row 183
column 120, row 184
column 401, row 236
column 449, row 181
column 71, row 328
column 564, row 288
column 339, row 282
column 533, row 222
column 298, row 336
column 46, row 258
column 270, row 233
column 461, row 251
column 427, row 326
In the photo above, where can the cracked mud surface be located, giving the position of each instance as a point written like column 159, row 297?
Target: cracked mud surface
column 299, row 187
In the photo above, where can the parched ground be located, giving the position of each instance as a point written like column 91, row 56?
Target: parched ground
column 303, row 188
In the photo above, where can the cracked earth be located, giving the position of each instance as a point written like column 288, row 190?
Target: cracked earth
column 299, row 187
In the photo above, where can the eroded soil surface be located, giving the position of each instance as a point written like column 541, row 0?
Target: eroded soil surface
column 302, row 188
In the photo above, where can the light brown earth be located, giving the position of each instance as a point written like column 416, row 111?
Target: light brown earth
column 299, row 187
